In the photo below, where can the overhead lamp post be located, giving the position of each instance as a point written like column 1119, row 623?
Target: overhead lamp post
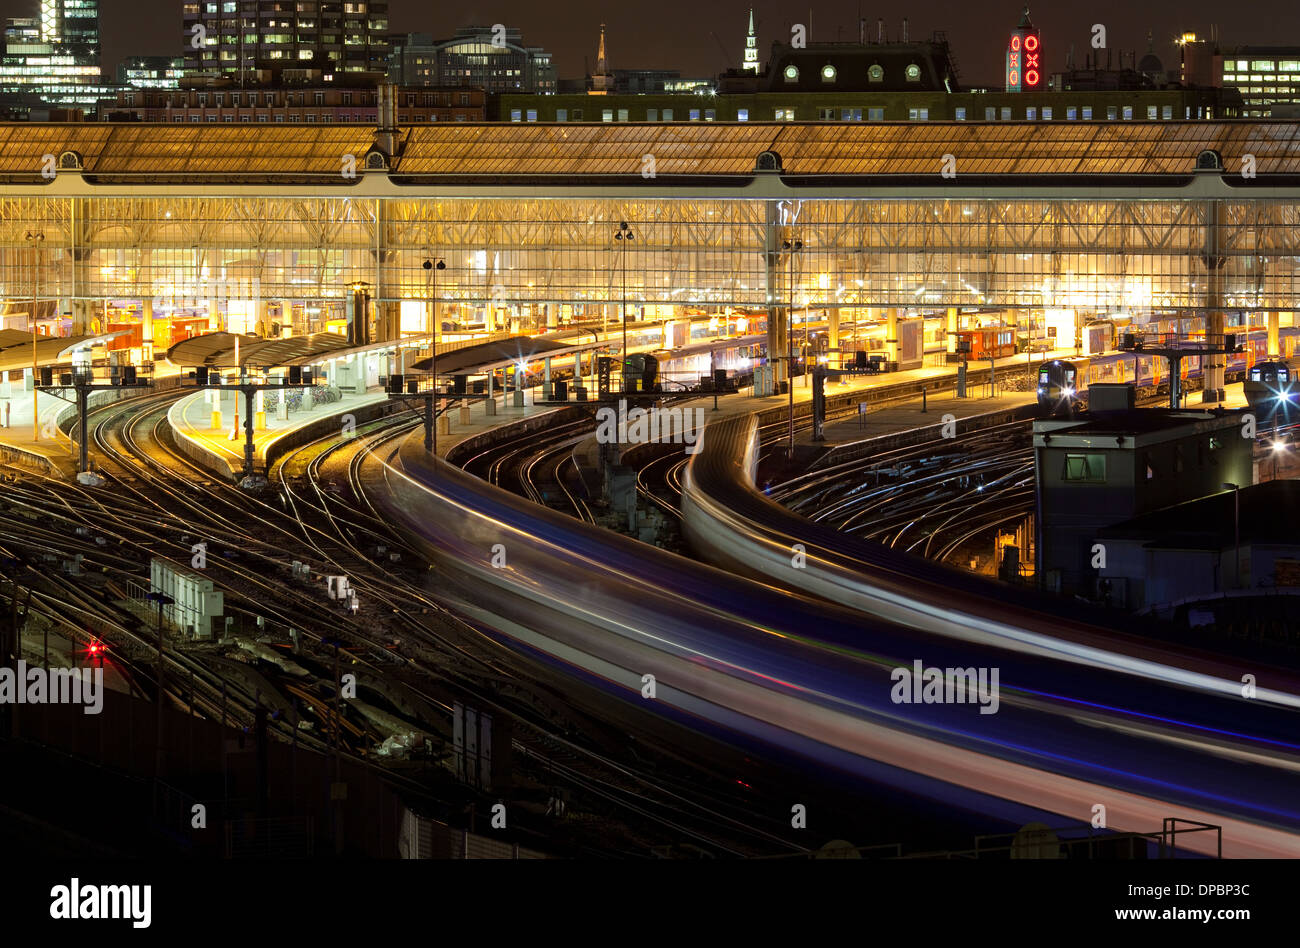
column 791, row 248
column 626, row 235
column 433, row 266
column 34, row 238
column 1236, row 532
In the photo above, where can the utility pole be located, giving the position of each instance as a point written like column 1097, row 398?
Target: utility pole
column 625, row 234
column 791, row 248
column 430, row 435
column 34, row 238
column 161, row 599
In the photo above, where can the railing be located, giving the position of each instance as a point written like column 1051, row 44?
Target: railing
column 1039, row 843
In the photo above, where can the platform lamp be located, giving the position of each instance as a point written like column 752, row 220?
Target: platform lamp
column 624, row 234
column 431, row 268
column 34, row 238
column 791, row 248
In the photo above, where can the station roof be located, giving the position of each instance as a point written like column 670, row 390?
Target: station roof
column 203, row 152
column 1106, row 429
column 487, row 356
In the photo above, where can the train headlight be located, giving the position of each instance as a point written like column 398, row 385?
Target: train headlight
column 1067, row 392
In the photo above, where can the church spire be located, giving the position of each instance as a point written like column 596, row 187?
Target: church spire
column 751, row 47
column 601, row 81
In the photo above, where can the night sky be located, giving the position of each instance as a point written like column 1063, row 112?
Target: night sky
column 677, row 33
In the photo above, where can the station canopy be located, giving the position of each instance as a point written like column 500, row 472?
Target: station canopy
column 193, row 153
column 486, row 356
column 218, row 348
column 16, row 348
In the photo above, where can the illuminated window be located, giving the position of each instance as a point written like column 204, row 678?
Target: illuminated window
column 1047, row 113
column 1085, row 468
column 913, row 73
column 876, row 74
column 1031, row 113
column 828, row 73
column 791, row 73
column 960, row 114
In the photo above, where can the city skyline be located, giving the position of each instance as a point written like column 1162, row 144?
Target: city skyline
column 686, row 41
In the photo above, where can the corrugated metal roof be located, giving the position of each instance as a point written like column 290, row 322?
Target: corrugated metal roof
column 204, row 151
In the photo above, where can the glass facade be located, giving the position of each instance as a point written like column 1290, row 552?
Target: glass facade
column 1094, row 255
column 524, row 218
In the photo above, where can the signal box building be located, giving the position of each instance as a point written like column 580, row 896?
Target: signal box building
column 1107, row 467
column 1186, row 553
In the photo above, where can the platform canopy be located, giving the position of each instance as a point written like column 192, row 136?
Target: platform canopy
column 487, row 356
column 16, row 348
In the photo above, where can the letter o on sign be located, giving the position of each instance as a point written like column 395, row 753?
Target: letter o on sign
column 1031, row 43
column 1015, row 42
column 1031, row 78
column 1013, row 77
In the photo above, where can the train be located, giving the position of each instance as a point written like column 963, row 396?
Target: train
column 993, row 342
column 1272, row 390
column 1063, row 383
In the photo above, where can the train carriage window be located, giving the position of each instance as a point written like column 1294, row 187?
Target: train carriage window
column 1085, row 468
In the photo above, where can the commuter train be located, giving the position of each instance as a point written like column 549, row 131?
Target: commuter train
column 1063, row 383
column 640, row 373
column 1272, row 391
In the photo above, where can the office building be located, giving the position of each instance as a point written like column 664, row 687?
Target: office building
column 52, row 61
column 1268, row 77
column 151, row 72
column 230, row 36
column 491, row 59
